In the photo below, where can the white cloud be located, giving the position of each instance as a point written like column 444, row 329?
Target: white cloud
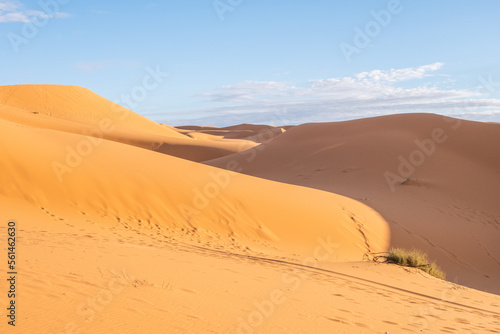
column 395, row 75
column 9, row 5
column 61, row 15
column 361, row 86
column 15, row 11
column 364, row 94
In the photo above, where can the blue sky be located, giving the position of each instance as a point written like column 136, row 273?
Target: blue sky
column 262, row 61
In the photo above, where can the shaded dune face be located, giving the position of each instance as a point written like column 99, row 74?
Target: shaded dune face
column 435, row 179
column 258, row 134
column 80, row 111
column 120, row 227
column 126, row 184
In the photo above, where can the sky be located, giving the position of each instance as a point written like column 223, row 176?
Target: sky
column 277, row 62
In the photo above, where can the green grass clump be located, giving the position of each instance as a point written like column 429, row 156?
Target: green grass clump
column 415, row 258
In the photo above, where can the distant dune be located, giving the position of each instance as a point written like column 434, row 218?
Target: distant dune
column 119, row 232
column 436, row 180
column 256, row 133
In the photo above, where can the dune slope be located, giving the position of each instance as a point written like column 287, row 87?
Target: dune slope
column 113, row 237
column 80, row 276
column 78, row 110
column 256, row 133
column 133, row 186
column 435, row 179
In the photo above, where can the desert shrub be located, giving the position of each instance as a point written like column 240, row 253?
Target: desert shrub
column 415, row 258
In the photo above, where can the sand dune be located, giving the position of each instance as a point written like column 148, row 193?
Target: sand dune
column 124, row 182
column 87, row 277
column 436, row 180
column 256, row 133
column 80, row 111
column 118, row 236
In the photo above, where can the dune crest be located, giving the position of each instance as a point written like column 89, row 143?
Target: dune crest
column 133, row 186
column 80, row 111
column 435, row 179
column 117, row 233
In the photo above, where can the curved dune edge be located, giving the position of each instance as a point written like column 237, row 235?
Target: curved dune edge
column 80, row 111
column 116, row 238
column 259, row 134
column 79, row 275
column 132, row 186
column 435, row 179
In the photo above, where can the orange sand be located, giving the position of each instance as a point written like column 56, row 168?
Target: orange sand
column 118, row 233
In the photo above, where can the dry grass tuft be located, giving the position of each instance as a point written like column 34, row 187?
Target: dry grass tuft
column 415, row 258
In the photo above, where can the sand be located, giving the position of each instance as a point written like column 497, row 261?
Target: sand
column 436, row 180
column 80, row 111
column 124, row 231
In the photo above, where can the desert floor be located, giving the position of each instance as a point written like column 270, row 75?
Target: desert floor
column 124, row 225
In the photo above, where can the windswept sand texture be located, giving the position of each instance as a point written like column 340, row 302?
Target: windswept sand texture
column 78, row 110
column 436, row 180
column 117, row 234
